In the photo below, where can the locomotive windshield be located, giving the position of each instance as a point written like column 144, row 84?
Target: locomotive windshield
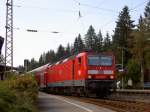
column 100, row 60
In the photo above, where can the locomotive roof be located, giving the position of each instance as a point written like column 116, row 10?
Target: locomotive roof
column 41, row 68
column 78, row 55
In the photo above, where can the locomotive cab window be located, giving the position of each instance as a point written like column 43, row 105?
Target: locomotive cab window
column 100, row 60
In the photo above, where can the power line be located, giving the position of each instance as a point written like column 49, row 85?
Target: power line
column 76, row 1
column 44, row 8
column 96, row 7
column 138, row 5
column 107, row 23
column 34, row 30
column 66, row 10
column 102, row 2
column 86, row 5
column 81, row 4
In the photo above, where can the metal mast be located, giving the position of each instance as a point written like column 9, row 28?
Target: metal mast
column 9, row 34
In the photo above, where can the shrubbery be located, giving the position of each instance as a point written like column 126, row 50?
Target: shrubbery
column 18, row 94
column 133, row 72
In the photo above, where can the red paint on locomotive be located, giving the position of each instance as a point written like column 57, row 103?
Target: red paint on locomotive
column 86, row 70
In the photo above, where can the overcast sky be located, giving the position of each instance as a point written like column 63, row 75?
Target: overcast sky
column 62, row 16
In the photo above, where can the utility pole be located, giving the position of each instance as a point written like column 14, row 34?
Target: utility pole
column 9, row 35
column 122, row 68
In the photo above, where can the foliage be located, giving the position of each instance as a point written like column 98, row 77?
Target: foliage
column 147, row 17
column 107, row 42
column 146, row 25
column 147, row 57
column 133, row 71
column 138, row 46
column 68, row 50
column 18, row 94
column 99, row 42
column 90, row 38
column 60, row 52
column 138, row 52
column 122, row 35
column 78, row 44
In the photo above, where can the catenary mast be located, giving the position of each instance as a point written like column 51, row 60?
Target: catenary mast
column 9, row 34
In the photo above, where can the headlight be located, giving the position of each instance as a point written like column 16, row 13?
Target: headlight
column 89, row 76
column 111, row 77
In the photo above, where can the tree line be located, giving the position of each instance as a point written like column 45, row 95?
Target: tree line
column 129, row 41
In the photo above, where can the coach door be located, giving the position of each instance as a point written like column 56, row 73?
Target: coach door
column 73, row 71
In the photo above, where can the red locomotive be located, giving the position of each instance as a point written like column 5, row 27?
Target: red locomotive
column 84, row 73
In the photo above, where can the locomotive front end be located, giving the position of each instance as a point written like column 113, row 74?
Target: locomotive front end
column 100, row 74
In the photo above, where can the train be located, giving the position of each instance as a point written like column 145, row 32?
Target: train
column 86, row 73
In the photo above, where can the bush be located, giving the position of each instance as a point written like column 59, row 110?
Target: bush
column 7, row 99
column 18, row 94
column 133, row 72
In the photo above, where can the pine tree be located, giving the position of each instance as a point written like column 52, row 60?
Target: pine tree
column 141, row 48
column 53, row 56
column 60, row 52
column 99, row 42
column 146, row 21
column 41, row 60
column 138, row 51
column 145, row 26
column 78, row 44
column 90, row 38
column 68, row 50
column 47, row 57
column 75, row 46
column 33, row 64
column 50, row 57
column 81, row 45
column 147, row 17
column 122, row 35
column 107, row 42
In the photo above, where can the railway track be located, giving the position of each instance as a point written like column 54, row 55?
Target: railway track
column 131, row 95
column 117, row 105
column 121, row 100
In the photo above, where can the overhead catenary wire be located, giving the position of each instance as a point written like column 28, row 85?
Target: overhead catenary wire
column 104, row 25
column 95, row 7
column 107, row 23
column 138, row 5
column 37, row 30
column 132, row 9
column 110, row 10
column 102, row 2
column 66, row 10
column 99, row 8
column 45, row 8
column 80, row 13
column 81, row 4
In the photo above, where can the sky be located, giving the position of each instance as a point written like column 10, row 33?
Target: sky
column 62, row 16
